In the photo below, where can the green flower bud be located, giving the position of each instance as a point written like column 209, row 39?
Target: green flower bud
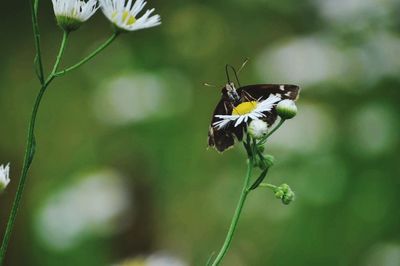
column 288, row 197
column 286, row 109
column 279, row 194
column 285, row 188
column 284, row 193
column 269, row 159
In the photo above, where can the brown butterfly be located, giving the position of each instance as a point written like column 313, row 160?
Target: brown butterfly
column 238, row 107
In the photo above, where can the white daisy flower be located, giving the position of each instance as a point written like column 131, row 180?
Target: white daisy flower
column 4, row 176
column 70, row 14
column 247, row 110
column 124, row 15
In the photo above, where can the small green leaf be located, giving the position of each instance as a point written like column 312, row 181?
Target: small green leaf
column 259, row 179
column 37, row 67
column 210, row 258
column 32, row 151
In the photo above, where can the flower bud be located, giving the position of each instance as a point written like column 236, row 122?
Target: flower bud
column 279, row 194
column 258, row 128
column 284, row 193
column 286, row 109
column 269, row 159
column 4, row 176
column 288, row 197
column 285, row 188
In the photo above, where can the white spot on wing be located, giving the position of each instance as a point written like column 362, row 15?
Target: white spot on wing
column 282, row 87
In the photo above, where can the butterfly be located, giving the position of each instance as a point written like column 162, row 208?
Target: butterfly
column 237, row 107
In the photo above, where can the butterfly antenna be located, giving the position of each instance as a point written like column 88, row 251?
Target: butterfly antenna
column 227, row 72
column 209, row 85
column 246, row 60
column 234, row 71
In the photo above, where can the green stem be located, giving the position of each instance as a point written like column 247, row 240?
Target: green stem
column 29, row 153
column 90, row 56
column 60, row 54
column 276, row 128
column 266, row 185
column 35, row 26
column 235, row 219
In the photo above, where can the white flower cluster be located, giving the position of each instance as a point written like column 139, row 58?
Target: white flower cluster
column 123, row 14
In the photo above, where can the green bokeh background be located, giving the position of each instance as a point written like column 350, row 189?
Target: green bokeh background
column 122, row 170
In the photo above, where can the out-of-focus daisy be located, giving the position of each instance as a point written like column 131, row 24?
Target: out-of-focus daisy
column 4, row 176
column 70, row 14
column 124, row 14
column 245, row 111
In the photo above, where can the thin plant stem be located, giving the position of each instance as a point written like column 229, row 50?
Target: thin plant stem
column 236, row 216
column 90, row 56
column 31, row 142
column 60, row 53
column 266, row 185
column 36, row 34
column 276, row 128
column 29, row 153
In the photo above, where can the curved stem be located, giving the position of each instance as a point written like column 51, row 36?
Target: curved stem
column 90, row 56
column 236, row 216
column 29, row 153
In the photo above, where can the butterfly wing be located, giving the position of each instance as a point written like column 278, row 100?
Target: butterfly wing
column 220, row 139
column 285, row 91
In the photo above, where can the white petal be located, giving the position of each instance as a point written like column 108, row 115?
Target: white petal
column 267, row 104
column 75, row 9
column 114, row 10
column 240, row 120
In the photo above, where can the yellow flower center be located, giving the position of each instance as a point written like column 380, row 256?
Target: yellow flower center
column 126, row 17
column 244, row 108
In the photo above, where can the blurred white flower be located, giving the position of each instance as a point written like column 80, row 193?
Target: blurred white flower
column 317, row 127
column 4, row 176
column 382, row 254
column 357, row 12
column 97, row 204
column 373, row 129
column 121, row 100
column 156, row 259
column 164, row 259
column 70, row 14
column 124, row 15
column 305, row 61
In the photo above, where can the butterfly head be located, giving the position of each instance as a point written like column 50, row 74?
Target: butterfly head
column 230, row 93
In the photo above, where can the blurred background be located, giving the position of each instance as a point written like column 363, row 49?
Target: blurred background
column 122, row 174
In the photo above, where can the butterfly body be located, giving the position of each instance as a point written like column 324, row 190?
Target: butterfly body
column 222, row 136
